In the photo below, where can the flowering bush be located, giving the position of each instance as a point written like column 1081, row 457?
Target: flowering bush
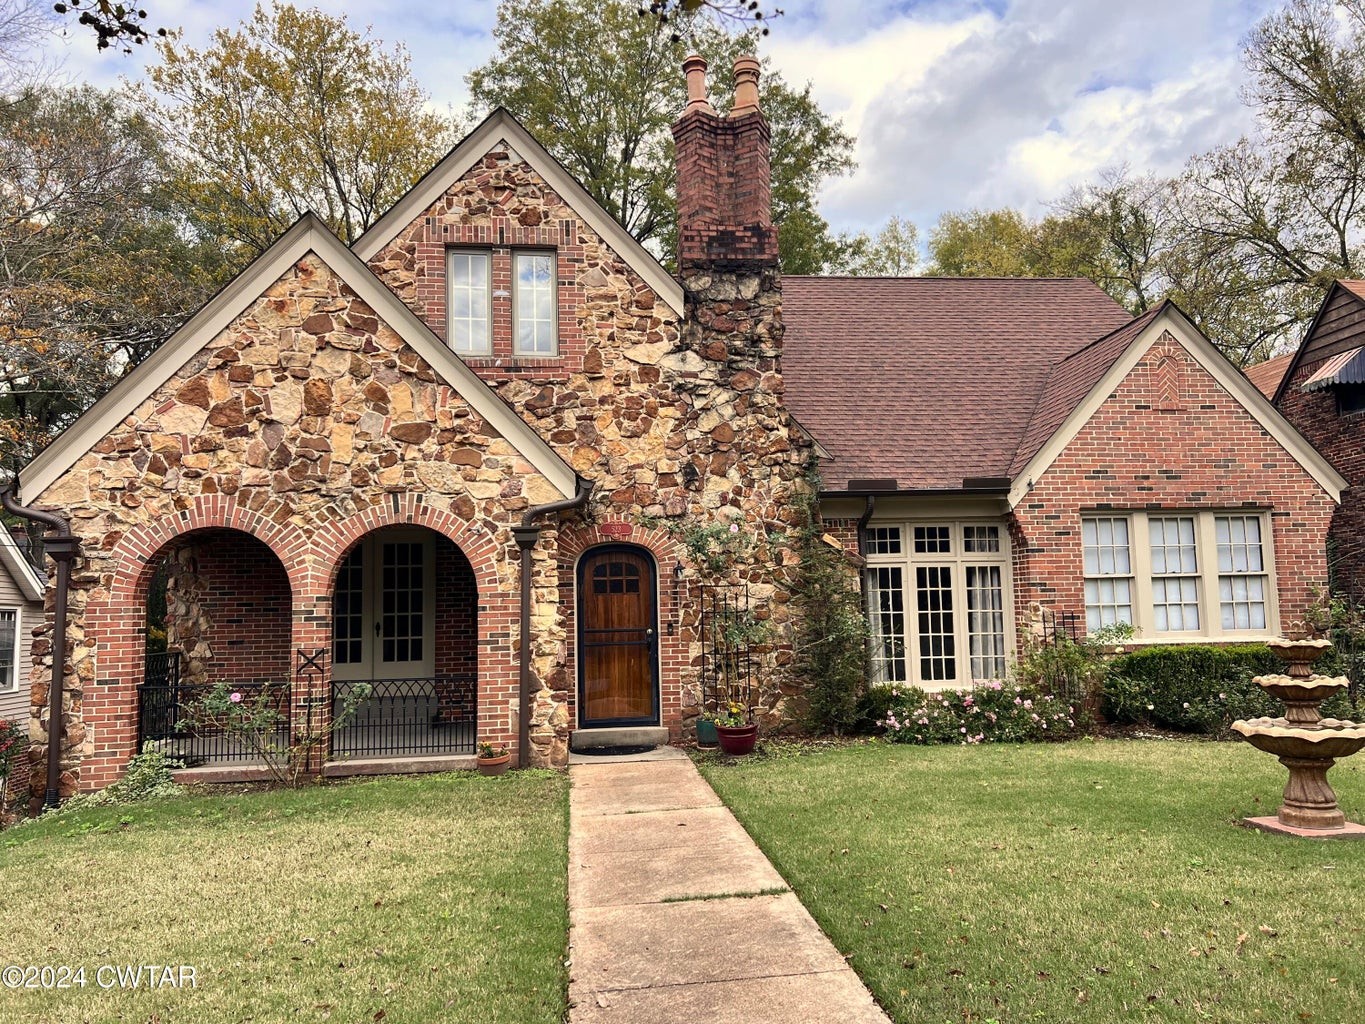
column 992, row 712
column 13, row 742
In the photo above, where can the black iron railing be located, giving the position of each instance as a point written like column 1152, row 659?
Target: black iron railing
column 432, row 715
column 168, row 716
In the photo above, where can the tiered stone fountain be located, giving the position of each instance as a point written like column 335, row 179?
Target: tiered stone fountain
column 1305, row 742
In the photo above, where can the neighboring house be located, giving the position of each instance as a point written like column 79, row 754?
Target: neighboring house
column 21, row 608
column 496, row 416
column 1320, row 388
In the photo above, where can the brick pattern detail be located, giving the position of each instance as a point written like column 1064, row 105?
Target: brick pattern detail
column 724, row 190
column 1342, row 440
column 1131, row 456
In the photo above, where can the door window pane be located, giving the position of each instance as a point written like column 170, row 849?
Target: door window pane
column 348, row 610
column 934, row 623
column 886, row 591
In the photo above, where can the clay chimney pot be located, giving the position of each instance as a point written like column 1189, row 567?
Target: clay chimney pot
column 694, row 67
column 746, row 86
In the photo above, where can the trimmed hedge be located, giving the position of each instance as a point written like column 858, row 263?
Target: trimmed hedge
column 1198, row 688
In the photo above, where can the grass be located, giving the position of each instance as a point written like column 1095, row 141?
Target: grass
column 1089, row 881
column 433, row 898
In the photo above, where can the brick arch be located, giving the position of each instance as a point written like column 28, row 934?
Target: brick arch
column 135, row 550
column 333, row 541
column 115, row 620
column 675, row 633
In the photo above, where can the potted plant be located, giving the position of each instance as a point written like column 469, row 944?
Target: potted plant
column 735, row 729
column 493, row 759
column 706, row 730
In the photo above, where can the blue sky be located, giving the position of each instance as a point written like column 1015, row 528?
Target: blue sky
column 955, row 103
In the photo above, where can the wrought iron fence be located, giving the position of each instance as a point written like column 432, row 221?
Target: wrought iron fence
column 433, row 715
column 165, row 718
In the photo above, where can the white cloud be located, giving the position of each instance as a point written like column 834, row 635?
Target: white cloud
column 955, row 103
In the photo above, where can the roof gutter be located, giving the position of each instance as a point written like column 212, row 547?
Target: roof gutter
column 63, row 548
column 526, row 534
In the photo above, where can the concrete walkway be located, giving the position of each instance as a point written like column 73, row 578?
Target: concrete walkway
column 666, row 924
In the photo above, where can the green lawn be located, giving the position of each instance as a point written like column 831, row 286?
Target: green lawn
column 1089, row 881
column 440, row 898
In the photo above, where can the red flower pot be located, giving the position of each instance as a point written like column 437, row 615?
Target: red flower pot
column 493, row 765
column 737, row 740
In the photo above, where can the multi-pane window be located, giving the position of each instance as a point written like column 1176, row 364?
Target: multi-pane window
column 939, row 603
column 1108, row 572
column 1175, row 574
column 9, row 649
column 348, row 610
column 1242, row 580
column 1152, row 571
column 886, row 593
column 536, row 314
column 468, row 323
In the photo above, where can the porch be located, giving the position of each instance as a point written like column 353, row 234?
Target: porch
column 382, row 720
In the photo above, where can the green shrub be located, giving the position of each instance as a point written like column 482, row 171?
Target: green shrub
column 992, row 712
column 1197, row 688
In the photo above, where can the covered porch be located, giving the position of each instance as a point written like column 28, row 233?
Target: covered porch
column 399, row 679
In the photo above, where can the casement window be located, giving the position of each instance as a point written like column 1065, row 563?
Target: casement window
column 9, row 650
column 469, row 327
column 535, row 308
column 1188, row 574
column 938, row 596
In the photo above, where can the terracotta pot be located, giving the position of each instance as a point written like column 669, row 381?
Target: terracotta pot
column 738, row 740
column 494, row 765
column 706, row 733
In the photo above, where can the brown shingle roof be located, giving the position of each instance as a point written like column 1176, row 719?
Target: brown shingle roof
column 930, row 381
column 1267, row 375
column 1070, row 380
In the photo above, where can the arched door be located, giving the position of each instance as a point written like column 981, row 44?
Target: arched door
column 618, row 663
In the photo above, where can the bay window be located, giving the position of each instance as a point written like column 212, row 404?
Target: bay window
column 1187, row 574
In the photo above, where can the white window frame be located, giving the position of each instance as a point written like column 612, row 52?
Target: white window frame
column 1207, row 575
column 18, row 626
column 958, row 560
column 485, row 347
column 517, row 292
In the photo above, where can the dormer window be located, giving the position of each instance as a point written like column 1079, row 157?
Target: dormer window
column 535, row 309
column 469, row 324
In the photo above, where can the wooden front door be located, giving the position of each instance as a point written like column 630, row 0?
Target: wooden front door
column 618, row 673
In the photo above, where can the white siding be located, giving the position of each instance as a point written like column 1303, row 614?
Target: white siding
column 14, row 704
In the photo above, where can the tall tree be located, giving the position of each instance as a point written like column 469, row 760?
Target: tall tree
column 892, row 252
column 95, row 268
column 600, row 86
column 293, row 111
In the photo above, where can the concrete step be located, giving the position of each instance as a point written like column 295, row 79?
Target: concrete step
column 620, row 736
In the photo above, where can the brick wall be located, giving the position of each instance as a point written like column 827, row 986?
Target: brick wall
column 1201, row 450
column 1342, row 440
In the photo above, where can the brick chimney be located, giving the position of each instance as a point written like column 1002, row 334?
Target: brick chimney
column 724, row 176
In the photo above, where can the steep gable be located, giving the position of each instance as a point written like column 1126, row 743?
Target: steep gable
column 1338, row 327
column 308, row 244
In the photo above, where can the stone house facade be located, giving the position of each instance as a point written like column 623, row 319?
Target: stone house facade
column 460, row 463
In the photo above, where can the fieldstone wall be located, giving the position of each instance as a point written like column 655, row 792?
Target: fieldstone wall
column 676, row 424
column 308, row 422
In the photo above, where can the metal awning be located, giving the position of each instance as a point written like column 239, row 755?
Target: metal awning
column 1344, row 368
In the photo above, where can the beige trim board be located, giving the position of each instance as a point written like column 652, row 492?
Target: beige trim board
column 309, row 234
column 501, row 127
column 1233, row 381
column 25, row 577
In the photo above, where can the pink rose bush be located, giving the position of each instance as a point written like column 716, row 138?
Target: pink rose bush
column 992, row 712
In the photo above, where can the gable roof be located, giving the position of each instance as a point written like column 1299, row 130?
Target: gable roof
column 1169, row 318
column 25, row 577
column 1266, row 376
column 309, row 234
column 929, row 381
column 501, row 127
column 1070, row 381
column 1338, row 324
